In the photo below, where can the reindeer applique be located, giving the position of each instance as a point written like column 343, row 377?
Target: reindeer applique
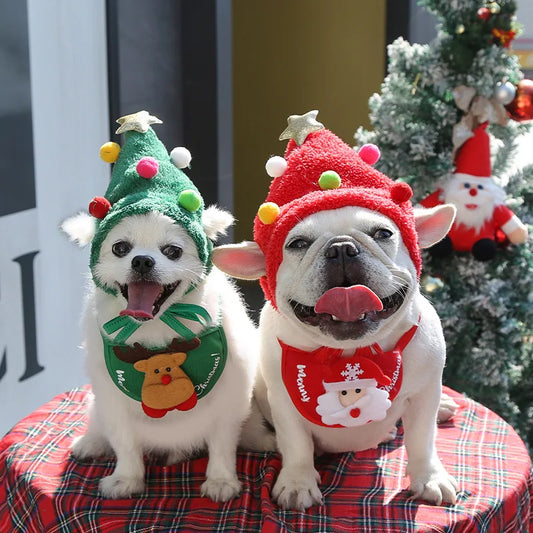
column 166, row 386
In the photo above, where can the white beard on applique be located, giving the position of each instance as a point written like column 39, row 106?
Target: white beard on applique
column 373, row 406
column 473, row 211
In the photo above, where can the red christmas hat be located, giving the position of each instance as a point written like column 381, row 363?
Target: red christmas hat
column 321, row 172
column 473, row 158
column 356, row 373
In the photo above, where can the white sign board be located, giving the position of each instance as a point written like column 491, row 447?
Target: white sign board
column 42, row 275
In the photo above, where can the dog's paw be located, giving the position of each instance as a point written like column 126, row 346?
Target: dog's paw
column 118, row 486
column 297, row 488
column 221, row 489
column 435, row 487
column 447, row 408
column 89, row 445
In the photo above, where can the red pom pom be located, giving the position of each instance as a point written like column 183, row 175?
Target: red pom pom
column 147, row 167
column 401, row 192
column 369, row 153
column 99, row 207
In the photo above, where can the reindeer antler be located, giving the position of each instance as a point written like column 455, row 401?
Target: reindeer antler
column 180, row 346
column 137, row 352
column 132, row 354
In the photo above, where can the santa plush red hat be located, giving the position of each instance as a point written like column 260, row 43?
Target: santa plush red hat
column 360, row 373
column 473, row 159
column 320, row 172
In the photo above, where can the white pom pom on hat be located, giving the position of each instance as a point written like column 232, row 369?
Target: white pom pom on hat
column 181, row 157
column 276, row 166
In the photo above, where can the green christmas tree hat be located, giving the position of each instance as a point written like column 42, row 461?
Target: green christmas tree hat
column 147, row 178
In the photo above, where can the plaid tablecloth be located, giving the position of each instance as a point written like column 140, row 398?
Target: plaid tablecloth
column 43, row 489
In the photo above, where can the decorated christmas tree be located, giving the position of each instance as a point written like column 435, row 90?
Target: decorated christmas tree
column 431, row 120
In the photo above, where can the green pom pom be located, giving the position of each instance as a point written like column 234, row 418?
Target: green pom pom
column 329, row 180
column 190, row 200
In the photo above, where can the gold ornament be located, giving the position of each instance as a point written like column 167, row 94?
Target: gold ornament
column 494, row 8
column 460, row 29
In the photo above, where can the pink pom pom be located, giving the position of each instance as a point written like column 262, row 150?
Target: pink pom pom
column 401, row 192
column 147, row 167
column 369, row 153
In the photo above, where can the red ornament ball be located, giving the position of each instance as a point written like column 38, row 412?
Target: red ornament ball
column 147, row 167
column 483, row 13
column 521, row 108
column 99, row 207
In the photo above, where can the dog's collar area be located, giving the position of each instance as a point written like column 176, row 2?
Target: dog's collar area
column 203, row 365
column 339, row 329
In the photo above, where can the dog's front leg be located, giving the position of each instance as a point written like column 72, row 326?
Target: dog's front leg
column 222, row 483
column 297, row 483
column 128, row 477
column 428, row 477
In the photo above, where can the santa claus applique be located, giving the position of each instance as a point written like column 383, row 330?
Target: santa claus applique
column 353, row 394
column 333, row 390
column 482, row 221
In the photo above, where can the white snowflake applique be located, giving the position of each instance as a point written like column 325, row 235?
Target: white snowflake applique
column 352, row 372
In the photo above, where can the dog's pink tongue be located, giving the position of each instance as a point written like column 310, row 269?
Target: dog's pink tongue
column 141, row 298
column 348, row 303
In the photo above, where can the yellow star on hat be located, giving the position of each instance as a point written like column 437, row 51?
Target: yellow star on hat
column 137, row 121
column 300, row 126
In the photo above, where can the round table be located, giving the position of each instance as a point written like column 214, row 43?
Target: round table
column 44, row 489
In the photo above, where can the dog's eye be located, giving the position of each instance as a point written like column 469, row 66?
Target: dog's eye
column 156, row 371
column 121, row 248
column 172, row 252
column 298, row 244
column 382, row 234
column 168, row 369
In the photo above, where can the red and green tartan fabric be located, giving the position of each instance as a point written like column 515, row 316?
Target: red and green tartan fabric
column 44, row 490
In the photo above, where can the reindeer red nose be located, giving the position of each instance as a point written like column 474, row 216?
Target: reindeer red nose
column 473, row 191
column 166, row 379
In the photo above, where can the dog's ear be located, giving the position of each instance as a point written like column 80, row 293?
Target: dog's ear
column 433, row 224
column 80, row 228
column 242, row 261
column 216, row 221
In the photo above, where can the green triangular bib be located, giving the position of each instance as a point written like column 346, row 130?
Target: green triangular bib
column 204, row 365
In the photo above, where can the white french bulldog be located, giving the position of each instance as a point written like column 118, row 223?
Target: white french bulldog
column 347, row 282
column 154, row 263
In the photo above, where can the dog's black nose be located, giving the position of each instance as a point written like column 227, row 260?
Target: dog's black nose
column 142, row 263
column 342, row 250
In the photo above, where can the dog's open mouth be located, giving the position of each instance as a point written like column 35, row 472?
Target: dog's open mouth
column 145, row 298
column 349, row 312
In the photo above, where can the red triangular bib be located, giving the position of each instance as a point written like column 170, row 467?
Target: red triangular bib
column 333, row 390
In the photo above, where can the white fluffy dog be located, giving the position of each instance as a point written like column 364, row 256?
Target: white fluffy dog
column 117, row 423
column 338, row 254
column 171, row 352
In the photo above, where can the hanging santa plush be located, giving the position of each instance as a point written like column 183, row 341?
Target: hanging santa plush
column 483, row 221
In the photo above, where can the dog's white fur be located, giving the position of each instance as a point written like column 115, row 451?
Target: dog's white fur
column 117, row 423
column 300, row 277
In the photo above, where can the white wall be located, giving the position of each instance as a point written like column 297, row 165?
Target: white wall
column 67, row 43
